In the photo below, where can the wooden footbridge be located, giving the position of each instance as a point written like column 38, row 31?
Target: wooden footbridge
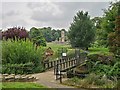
column 64, row 65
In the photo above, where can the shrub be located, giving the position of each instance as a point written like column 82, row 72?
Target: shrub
column 12, row 33
column 105, row 59
column 101, row 64
column 109, row 70
column 92, row 80
column 60, row 51
column 22, row 52
column 17, row 68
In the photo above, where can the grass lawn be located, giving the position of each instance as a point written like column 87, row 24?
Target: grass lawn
column 56, row 46
column 91, row 50
column 101, row 50
column 21, row 85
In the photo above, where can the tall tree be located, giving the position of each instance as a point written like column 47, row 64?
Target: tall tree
column 37, row 37
column 47, row 33
column 114, row 37
column 108, row 22
column 81, row 32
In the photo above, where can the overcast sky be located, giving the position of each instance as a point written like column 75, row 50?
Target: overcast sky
column 39, row 14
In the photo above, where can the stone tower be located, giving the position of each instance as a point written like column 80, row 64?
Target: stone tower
column 62, row 36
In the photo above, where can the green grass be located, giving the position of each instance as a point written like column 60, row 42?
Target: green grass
column 99, row 51
column 56, row 46
column 21, row 85
column 71, row 51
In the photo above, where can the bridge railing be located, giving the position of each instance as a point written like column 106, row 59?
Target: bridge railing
column 51, row 64
column 63, row 62
column 63, row 65
column 69, row 64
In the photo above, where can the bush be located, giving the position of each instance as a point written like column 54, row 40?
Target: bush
column 109, row 70
column 22, row 52
column 92, row 80
column 101, row 64
column 15, row 32
column 105, row 59
column 17, row 68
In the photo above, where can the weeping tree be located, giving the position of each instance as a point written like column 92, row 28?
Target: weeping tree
column 81, row 32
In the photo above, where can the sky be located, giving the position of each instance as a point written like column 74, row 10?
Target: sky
column 54, row 14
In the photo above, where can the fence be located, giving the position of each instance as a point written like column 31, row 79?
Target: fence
column 63, row 65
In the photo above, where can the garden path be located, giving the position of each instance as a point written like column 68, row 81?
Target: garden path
column 48, row 79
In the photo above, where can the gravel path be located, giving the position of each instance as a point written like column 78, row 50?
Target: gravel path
column 48, row 79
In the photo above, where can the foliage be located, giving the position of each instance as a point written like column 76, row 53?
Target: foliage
column 37, row 37
column 100, row 37
column 22, row 52
column 51, row 34
column 91, row 81
column 81, row 32
column 107, row 24
column 15, row 33
column 71, row 53
column 47, row 34
column 114, row 37
column 101, row 68
column 61, row 50
column 18, row 68
column 106, row 59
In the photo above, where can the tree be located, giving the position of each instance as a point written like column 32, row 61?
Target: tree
column 55, row 35
column 81, row 32
column 15, row 33
column 108, row 22
column 114, row 37
column 99, row 41
column 37, row 37
column 51, row 34
column 47, row 33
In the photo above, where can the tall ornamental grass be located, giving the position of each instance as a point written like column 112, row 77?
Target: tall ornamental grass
column 21, row 52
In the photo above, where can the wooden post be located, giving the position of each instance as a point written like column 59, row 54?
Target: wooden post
column 60, row 77
column 54, row 67
column 60, row 68
column 60, row 64
column 51, row 64
column 72, row 62
column 64, row 64
column 56, row 71
column 67, row 62
column 47, row 64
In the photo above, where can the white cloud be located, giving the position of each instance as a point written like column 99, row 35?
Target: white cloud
column 39, row 14
column 45, row 9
